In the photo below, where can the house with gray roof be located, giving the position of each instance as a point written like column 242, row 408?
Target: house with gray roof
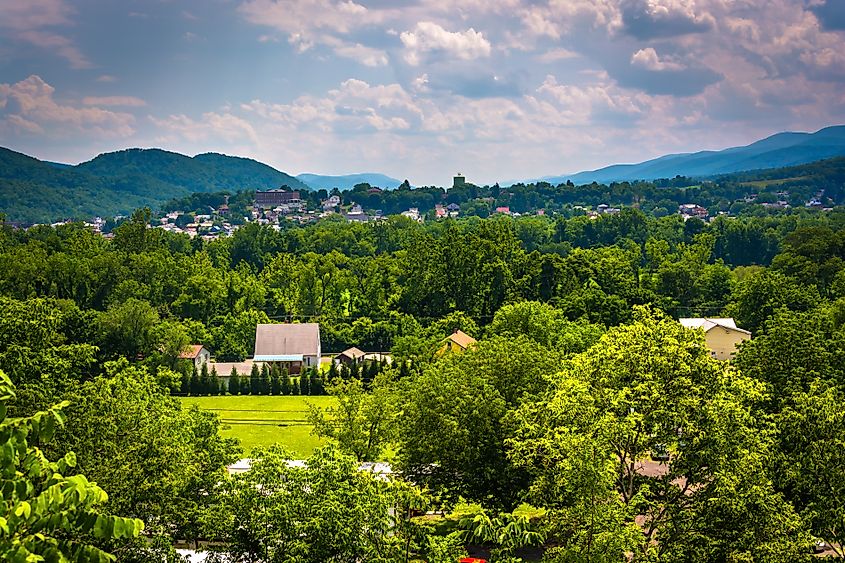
column 294, row 345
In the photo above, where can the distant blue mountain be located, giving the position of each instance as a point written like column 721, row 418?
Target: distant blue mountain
column 782, row 149
column 348, row 181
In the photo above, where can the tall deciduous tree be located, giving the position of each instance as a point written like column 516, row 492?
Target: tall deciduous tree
column 326, row 510
column 44, row 515
column 363, row 423
column 159, row 462
column 644, row 389
column 452, row 428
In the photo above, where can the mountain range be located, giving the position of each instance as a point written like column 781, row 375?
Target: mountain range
column 781, row 149
column 113, row 183
column 118, row 182
column 348, row 181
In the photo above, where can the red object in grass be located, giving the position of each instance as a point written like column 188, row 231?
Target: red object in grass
column 472, row 560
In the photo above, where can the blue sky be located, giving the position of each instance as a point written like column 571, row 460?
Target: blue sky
column 417, row 89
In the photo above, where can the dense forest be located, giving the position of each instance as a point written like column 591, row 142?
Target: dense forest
column 535, row 438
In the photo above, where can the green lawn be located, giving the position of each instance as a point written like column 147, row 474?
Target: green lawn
column 265, row 420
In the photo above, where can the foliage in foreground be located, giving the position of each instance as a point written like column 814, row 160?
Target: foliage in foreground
column 45, row 515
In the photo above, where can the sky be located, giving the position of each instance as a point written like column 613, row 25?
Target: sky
column 421, row 89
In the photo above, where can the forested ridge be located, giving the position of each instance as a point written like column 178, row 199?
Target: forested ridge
column 32, row 191
column 540, row 435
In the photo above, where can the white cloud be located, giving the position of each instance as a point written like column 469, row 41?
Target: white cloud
column 29, row 106
column 306, row 16
column 582, row 104
column 430, row 38
column 648, row 59
column 367, row 56
column 211, row 127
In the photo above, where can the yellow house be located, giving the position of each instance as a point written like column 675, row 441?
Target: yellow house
column 722, row 335
column 458, row 341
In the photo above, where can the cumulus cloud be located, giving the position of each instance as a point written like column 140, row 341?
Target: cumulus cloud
column 648, row 59
column 29, row 106
column 367, row 56
column 302, row 16
column 211, row 127
column 430, row 39
column 648, row 19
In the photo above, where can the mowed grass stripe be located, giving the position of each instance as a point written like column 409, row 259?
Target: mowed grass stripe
column 259, row 421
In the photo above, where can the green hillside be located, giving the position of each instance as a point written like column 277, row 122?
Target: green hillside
column 32, row 191
column 209, row 172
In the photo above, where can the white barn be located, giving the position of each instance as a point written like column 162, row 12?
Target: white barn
column 296, row 346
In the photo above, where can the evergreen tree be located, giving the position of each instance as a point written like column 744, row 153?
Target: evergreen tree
column 195, row 382
column 294, row 386
column 205, row 382
column 276, row 380
column 254, row 380
column 215, row 387
column 186, row 383
column 404, row 370
column 243, row 384
column 234, row 382
column 316, row 383
column 354, row 371
column 305, row 382
column 285, row 382
column 334, row 374
column 369, row 371
column 265, row 380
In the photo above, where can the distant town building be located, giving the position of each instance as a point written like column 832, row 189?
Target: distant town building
column 413, row 213
column 331, row 203
column 690, row 210
column 605, row 209
column 224, row 209
column 273, row 198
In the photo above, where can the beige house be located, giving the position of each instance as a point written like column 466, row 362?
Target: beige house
column 458, row 341
column 722, row 335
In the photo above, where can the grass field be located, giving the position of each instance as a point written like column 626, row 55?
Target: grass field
column 266, row 420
